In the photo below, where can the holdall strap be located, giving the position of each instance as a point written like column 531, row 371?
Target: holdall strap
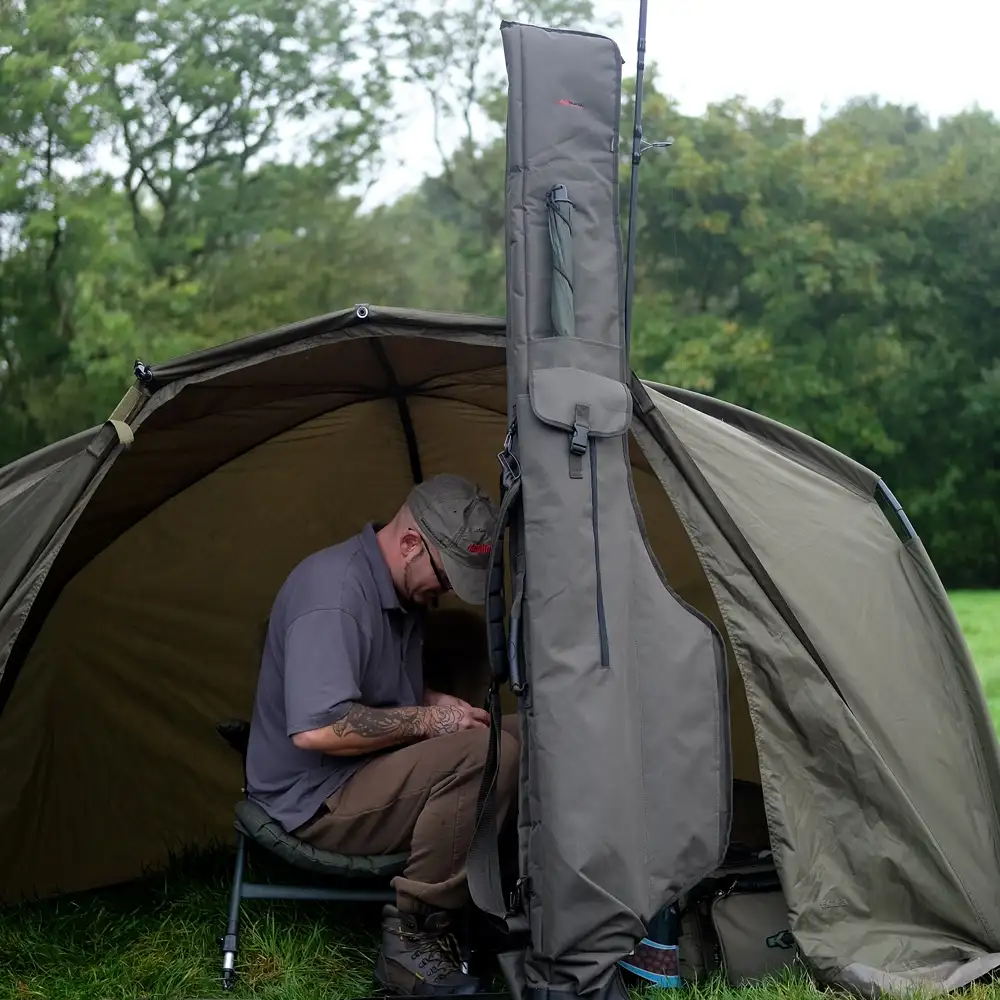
column 496, row 634
column 483, row 865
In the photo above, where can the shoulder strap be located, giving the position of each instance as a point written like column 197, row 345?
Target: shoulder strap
column 483, row 865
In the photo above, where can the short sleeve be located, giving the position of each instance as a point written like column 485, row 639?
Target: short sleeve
column 325, row 654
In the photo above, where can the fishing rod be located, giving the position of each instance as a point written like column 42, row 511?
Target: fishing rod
column 638, row 147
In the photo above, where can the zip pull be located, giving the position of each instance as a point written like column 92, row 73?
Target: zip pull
column 579, row 440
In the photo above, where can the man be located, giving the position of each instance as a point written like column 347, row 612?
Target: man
column 348, row 748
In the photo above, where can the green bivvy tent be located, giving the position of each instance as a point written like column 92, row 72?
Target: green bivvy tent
column 702, row 595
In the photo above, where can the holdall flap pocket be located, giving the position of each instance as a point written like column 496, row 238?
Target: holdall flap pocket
column 558, row 395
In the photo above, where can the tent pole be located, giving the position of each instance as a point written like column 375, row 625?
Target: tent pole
column 897, row 508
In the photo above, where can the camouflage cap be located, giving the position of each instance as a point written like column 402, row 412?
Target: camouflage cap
column 459, row 519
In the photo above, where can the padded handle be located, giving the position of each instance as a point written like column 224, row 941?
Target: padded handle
column 496, row 632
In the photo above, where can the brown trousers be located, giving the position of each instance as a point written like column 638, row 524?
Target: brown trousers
column 420, row 798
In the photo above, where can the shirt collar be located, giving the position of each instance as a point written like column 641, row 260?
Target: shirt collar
column 383, row 579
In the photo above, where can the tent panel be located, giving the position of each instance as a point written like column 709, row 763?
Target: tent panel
column 788, row 440
column 29, row 522
column 156, row 639
column 860, row 596
column 357, row 362
column 862, row 794
column 39, row 463
column 29, row 519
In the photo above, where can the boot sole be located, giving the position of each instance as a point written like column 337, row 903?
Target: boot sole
column 417, row 987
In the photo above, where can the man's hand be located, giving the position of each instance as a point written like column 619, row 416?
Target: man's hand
column 452, row 716
column 437, row 699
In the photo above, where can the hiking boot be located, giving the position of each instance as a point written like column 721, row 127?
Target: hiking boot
column 420, row 956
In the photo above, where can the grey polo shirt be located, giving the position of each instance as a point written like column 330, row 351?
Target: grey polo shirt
column 337, row 635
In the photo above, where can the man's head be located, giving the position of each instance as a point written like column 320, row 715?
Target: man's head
column 440, row 540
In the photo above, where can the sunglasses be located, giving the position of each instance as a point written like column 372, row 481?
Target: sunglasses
column 441, row 577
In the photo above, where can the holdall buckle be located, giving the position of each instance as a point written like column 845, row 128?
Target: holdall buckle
column 581, row 430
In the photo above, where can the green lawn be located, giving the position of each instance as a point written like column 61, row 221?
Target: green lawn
column 159, row 939
column 979, row 615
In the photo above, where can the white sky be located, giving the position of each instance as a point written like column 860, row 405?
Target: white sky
column 813, row 56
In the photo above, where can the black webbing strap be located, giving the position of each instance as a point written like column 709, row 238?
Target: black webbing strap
column 483, row 865
column 496, row 634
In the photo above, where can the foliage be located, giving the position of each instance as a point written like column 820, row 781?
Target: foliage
column 176, row 174
column 840, row 282
column 140, row 144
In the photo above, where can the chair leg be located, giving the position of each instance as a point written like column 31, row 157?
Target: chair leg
column 230, row 941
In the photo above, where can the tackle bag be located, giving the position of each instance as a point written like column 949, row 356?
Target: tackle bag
column 736, row 922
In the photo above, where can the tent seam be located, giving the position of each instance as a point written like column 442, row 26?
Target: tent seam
column 396, row 392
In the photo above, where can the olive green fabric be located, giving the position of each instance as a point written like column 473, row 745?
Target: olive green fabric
column 879, row 764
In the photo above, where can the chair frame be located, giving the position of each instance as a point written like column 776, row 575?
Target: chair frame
column 236, row 732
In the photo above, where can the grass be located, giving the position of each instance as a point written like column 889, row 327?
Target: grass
column 978, row 613
column 158, row 939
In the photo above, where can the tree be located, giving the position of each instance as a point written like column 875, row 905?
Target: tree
column 838, row 282
column 199, row 95
column 141, row 144
column 48, row 118
column 451, row 54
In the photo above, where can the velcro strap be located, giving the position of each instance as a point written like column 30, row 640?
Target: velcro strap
column 124, row 432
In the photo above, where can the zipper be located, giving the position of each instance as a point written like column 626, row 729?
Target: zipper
column 602, row 625
column 581, row 443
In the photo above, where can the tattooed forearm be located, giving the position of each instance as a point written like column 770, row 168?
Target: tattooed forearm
column 364, row 729
column 377, row 723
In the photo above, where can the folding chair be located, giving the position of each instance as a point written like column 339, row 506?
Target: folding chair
column 254, row 823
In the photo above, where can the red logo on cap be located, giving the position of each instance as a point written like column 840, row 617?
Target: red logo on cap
column 478, row 547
